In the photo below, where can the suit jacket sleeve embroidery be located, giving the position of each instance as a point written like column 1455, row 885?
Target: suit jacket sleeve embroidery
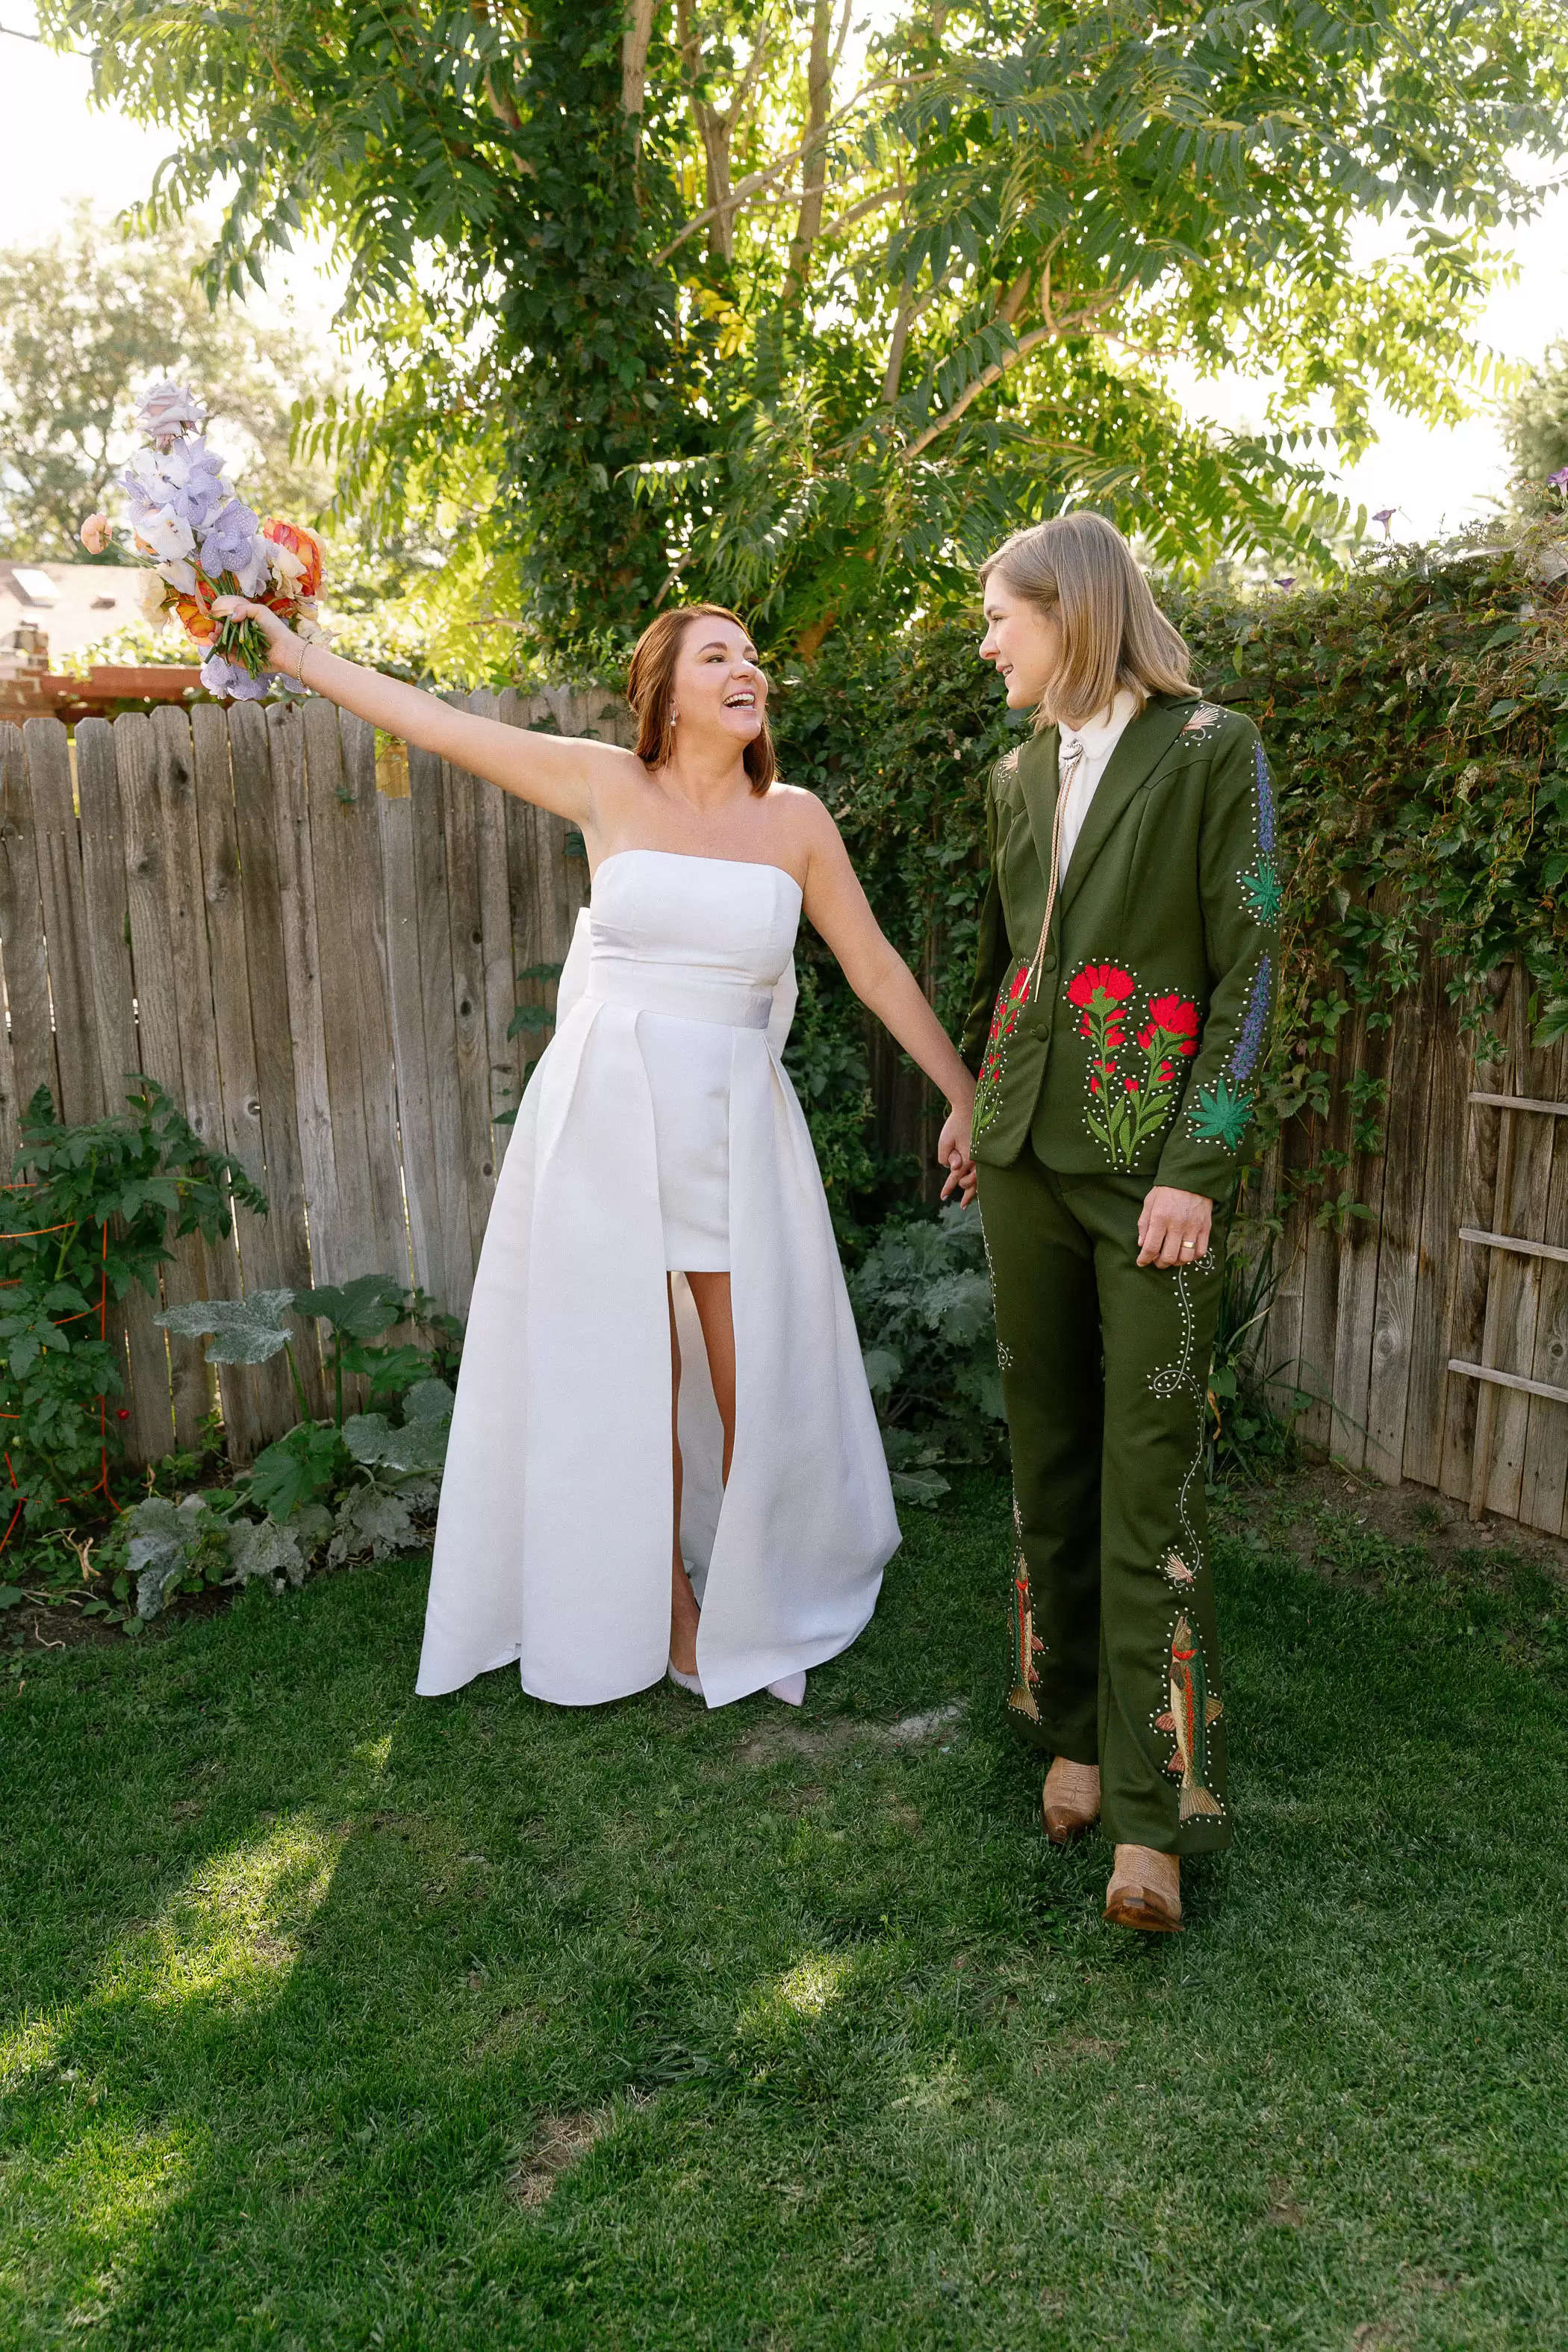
column 1239, row 890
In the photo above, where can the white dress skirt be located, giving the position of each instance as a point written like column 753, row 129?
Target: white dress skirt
column 660, row 1134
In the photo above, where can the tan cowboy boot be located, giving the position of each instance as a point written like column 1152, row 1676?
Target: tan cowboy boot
column 1069, row 1801
column 1145, row 1890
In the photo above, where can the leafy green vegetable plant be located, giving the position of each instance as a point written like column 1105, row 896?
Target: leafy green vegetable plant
column 921, row 1297
column 92, row 1214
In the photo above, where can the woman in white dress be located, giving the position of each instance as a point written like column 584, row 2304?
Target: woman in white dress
column 663, row 1454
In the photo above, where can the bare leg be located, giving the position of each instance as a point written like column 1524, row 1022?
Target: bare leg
column 710, row 1293
column 682, row 1599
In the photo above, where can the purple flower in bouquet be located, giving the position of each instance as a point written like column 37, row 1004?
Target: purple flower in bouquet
column 195, row 486
column 221, row 676
column 167, row 410
column 232, row 543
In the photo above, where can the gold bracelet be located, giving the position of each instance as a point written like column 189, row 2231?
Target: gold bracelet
column 306, row 647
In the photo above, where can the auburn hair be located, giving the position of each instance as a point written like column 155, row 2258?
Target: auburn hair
column 650, row 690
column 1113, row 634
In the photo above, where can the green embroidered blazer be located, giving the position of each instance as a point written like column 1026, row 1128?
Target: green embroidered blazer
column 1135, row 1040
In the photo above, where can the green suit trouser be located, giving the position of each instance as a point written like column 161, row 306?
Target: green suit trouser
column 1105, row 1368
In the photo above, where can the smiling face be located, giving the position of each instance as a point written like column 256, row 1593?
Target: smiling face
column 1023, row 641
column 718, row 688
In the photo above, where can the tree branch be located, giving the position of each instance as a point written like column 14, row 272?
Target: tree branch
column 982, row 382
column 754, row 181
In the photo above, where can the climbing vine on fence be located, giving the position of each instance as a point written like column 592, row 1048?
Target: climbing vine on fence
column 1417, row 719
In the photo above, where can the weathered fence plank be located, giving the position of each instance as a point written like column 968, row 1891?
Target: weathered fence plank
column 439, row 1014
column 253, row 1398
column 465, row 916
column 1543, row 1489
column 1397, row 1241
column 498, row 972
column 421, row 1166
column 358, row 822
column 142, row 813
column 1427, row 1395
column 288, row 1241
column 22, row 931
column 58, row 846
column 301, row 963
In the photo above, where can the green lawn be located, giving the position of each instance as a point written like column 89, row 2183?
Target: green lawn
column 334, row 2017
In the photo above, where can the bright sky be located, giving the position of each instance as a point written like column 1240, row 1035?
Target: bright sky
column 55, row 148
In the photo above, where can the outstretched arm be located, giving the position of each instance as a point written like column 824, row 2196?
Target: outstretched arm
column 564, row 773
column 837, row 907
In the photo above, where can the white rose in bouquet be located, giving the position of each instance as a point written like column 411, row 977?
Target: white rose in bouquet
column 167, row 410
column 162, row 533
column 181, row 577
column 152, row 596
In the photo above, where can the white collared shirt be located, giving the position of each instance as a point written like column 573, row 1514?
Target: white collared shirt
column 1094, row 742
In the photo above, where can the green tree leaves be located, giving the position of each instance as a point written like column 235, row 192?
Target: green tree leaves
column 810, row 330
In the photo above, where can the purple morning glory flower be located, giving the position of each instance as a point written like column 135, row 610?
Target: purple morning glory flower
column 1559, row 481
column 228, row 542
column 221, row 676
column 1288, row 581
column 1385, row 515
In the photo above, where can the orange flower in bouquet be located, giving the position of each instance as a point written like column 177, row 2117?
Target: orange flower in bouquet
column 297, row 559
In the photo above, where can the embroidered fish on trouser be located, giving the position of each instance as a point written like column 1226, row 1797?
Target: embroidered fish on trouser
column 1025, row 1644
column 1191, row 1712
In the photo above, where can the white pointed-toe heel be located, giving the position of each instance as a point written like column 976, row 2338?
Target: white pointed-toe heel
column 791, row 1688
column 692, row 1682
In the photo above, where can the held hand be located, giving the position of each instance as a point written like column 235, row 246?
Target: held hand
column 287, row 650
column 954, row 1154
column 1174, row 1227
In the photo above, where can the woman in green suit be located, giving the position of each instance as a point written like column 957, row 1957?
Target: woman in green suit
column 1123, row 996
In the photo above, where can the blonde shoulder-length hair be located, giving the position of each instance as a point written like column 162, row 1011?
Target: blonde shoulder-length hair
column 1114, row 634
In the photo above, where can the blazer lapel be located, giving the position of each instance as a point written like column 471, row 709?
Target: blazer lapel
column 1038, row 782
column 1145, row 742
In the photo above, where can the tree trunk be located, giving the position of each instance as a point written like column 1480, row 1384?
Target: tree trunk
column 635, row 42
column 814, row 163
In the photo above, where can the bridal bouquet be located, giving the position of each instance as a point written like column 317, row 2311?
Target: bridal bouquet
column 205, row 541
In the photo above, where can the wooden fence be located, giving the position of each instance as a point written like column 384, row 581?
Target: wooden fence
column 1433, row 1330
column 315, row 953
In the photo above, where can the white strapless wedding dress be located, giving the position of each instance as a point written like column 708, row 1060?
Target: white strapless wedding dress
column 659, row 1132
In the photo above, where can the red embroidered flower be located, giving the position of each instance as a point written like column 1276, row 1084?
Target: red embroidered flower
column 1019, row 991
column 1178, row 1016
column 1166, row 1074
column 1094, row 1086
column 1130, row 1084
column 1101, row 979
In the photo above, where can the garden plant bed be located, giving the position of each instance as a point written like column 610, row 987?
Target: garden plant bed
column 337, row 2017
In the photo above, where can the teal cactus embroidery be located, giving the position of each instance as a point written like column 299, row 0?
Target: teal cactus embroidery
column 1260, row 888
column 1221, row 1114
column 1132, row 1096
